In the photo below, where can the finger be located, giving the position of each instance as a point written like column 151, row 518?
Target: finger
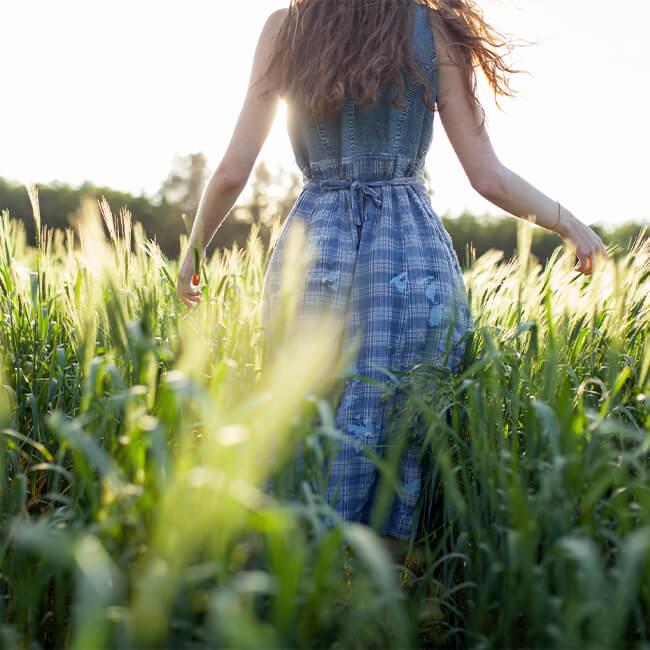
column 189, row 299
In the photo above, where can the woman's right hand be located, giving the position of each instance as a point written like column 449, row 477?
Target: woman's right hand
column 583, row 240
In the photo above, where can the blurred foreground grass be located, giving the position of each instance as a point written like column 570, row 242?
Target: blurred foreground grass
column 138, row 436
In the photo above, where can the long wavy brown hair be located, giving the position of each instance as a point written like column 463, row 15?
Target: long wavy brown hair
column 327, row 50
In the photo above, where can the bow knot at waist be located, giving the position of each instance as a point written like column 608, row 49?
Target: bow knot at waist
column 359, row 189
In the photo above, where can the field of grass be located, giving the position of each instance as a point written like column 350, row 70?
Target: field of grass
column 137, row 437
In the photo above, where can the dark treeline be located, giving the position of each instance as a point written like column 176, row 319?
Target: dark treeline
column 271, row 193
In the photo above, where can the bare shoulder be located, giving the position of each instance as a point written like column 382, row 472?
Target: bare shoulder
column 279, row 14
column 270, row 30
column 275, row 19
column 265, row 50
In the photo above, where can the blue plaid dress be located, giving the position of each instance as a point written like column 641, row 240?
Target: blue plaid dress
column 387, row 263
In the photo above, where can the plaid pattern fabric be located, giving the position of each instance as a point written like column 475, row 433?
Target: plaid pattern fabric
column 387, row 263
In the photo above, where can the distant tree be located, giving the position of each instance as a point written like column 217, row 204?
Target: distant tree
column 261, row 182
column 272, row 193
column 184, row 185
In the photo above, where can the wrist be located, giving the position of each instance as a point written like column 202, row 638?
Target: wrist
column 189, row 262
column 192, row 246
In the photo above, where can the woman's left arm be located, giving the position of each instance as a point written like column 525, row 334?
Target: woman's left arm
column 231, row 175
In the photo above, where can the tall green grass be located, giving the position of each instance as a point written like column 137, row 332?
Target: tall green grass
column 137, row 437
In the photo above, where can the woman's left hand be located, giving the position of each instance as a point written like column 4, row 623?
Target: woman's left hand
column 185, row 290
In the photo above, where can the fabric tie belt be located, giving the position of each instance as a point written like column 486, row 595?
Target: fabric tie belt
column 359, row 189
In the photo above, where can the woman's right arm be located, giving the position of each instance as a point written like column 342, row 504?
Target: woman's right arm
column 493, row 180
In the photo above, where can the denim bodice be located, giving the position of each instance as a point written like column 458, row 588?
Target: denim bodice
column 361, row 144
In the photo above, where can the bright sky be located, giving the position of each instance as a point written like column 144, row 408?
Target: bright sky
column 111, row 91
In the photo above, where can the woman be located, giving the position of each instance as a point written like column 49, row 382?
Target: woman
column 362, row 79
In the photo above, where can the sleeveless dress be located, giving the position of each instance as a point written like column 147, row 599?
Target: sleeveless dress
column 386, row 261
